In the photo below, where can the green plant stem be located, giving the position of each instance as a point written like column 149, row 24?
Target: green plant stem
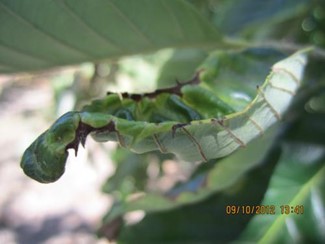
column 284, row 46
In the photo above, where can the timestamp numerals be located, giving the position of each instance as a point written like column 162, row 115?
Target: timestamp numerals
column 287, row 209
column 260, row 209
column 263, row 209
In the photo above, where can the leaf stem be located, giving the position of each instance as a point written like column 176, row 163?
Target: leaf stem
column 281, row 45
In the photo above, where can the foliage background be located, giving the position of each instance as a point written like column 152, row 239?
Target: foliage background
column 289, row 171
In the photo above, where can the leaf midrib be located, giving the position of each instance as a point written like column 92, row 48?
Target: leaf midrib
column 274, row 228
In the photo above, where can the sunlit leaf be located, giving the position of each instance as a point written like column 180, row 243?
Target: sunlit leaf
column 188, row 120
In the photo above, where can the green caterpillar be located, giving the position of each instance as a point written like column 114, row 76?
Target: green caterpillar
column 187, row 120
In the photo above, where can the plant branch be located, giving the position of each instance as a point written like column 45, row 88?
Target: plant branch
column 281, row 45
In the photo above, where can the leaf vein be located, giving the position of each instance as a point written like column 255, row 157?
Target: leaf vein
column 276, row 113
column 23, row 53
column 299, row 197
column 81, row 21
column 192, row 138
column 134, row 27
column 43, row 32
column 175, row 19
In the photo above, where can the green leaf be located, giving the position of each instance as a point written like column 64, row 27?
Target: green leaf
column 232, row 182
column 233, row 76
column 220, row 176
column 41, row 34
column 297, row 181
column 307, row 125
column 131, row 171
column 174, row 120
column 236, row 18
column 181, row 66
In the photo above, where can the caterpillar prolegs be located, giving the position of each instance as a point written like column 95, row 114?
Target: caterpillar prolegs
column 188, row 120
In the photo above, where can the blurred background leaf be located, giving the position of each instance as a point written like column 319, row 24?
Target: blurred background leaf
column 298, row 180
column 237, row 18
column 32, row 37
column 206, row 220
column 180, row 66
column 226, row 176
column 233, row 76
